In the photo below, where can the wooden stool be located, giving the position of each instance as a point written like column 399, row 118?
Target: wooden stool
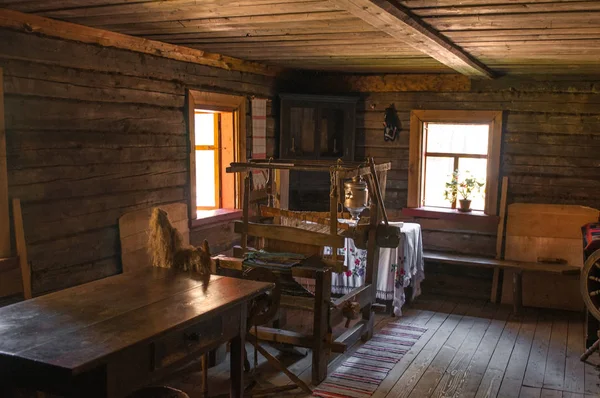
column 158, row 392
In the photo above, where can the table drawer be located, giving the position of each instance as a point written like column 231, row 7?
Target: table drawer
column 194, row 339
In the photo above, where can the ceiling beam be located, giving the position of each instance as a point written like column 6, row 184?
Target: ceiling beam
column 65, row 30
column 399, row 22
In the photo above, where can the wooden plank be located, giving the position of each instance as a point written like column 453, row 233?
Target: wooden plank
column 135, row 222
column 32, row 23
column 9, row 263
column 477, row 261
column 536, row 366
column 530, row 392
column 591, row 385
column 21, row 246
column 10, row 282
column 226, row 291
column 5, row 247
column 283, row 337
column 574, row 368
column 499, row 240
column 113, row 302
column 432, row 319
column 321, row 327
column 517, row 364
column 555, row 362
column 415, row 160
column 411, row 376
column 438, row 367
column 548, row 220
column 393, row 83
column 455, row 375
column 400, row 23
column 350, row 336
column 183, row 10
column 190, row 110
column 490, row 382
column 289, row 234
column 546, row 393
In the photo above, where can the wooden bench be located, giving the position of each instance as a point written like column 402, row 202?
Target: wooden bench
column 518, row 267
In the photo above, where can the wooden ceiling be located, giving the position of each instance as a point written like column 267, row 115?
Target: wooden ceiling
column 509, row 36
column 518, row 36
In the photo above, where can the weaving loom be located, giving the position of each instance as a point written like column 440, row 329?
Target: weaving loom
column 292, row 245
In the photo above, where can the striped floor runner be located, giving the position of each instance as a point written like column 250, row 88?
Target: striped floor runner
column 360, row 375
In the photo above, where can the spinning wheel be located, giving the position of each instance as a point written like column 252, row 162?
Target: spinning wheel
column 590, row 284
column 590, row 291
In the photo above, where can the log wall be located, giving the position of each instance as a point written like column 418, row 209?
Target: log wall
column 550, row 145
column 94, row 132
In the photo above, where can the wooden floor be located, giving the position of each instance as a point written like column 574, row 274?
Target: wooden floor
column 471, row 349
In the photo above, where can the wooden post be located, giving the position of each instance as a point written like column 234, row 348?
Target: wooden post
column 333, row 201
column 283, row 189
column 5, row 250
column 191, row 125
column 245, row 210
column 372, row 263
column 498, row 274
column 21, row 247
column 320, row 356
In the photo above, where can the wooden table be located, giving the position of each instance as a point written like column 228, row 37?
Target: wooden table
column 110, row 337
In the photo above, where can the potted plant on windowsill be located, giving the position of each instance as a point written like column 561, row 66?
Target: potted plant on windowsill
column 465, row 187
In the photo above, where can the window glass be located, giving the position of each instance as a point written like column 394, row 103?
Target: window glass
column 457, row 138
column 205, row 129
column 438, row 171
column 476, row 168
column 450, row 146
column 205, row 178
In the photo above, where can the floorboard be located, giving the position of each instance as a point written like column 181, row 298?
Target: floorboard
column 471, row 349
column 457, row 371
column 536, row 367
column 430, row 379
column 555, row 361
column 515, row 370
column 574, row 369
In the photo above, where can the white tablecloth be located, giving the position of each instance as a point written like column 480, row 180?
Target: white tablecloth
column 399, row 268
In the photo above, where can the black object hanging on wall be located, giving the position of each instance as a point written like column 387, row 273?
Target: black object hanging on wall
column 391, row 124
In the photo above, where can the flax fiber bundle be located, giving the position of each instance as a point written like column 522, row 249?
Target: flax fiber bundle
column 167, row 249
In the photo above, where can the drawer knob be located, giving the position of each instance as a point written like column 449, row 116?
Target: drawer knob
column 194, row 336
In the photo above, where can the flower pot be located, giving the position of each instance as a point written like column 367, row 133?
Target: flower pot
column 465, row 205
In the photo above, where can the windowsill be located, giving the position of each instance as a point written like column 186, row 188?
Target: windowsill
column 206, row 217
column 474, row 216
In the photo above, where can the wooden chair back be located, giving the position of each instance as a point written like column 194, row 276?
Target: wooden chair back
column 134, row 229
column 15, row 272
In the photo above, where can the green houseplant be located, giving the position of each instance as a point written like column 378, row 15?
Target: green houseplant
column 465, row 187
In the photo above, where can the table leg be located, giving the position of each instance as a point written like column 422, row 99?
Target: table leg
column 237, row 358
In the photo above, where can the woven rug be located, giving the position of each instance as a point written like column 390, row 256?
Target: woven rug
column 360, row 375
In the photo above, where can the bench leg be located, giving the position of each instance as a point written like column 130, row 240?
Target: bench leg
column 517, row 291
column 496, row 295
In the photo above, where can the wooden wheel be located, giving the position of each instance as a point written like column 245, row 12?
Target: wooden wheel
column 590, row 284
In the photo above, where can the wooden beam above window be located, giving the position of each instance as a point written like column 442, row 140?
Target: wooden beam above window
column 399, row 22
